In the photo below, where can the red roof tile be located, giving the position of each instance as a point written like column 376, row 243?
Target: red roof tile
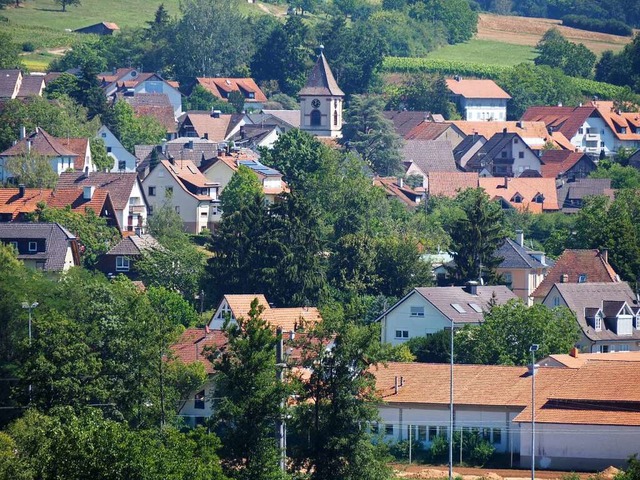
column 40, row 142
column 449, row 184
column 476, row 88
column 556, row 162
column 221, row 87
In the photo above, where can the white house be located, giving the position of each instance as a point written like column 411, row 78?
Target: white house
column 607, row 313
column 427, row 310
column 479, row 99
column 125, row 190
column 193, row 196
column 123, row 161
column 579, row 422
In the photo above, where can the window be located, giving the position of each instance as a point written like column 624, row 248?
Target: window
column 316, row 118
column 556, row 301
column 417, row 311
column 402, row 333
column 14, row 245
column 582, row 278
column 497, row 436
column 520, row 154
column 486, row 434
column 108, row 149
column 252, row 95
column 603, row 348
column 122, row 165
column 515, row 140
column 503, row 154
column 199, row 400
column 539, row 198
column 638, row 321
column 150, row 209
column 152, row 191
column 508, row 278
column 475, row 307
column 33, row 246
column 433, row 433
column 335, row 117
column 168, row 191
column 388, row 429
column 458, row 308
column 581, row 131
column 517, row 199
column 122, row 264
column 103, row 135
column 420, row 433
column 623, row 347
column 601, row 144
column 598, row 323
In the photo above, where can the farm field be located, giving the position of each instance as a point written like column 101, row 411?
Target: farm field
column 489, row 52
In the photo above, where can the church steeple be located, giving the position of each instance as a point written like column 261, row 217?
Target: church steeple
column 321, row 101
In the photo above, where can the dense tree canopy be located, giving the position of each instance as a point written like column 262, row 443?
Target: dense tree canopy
column 574, row 59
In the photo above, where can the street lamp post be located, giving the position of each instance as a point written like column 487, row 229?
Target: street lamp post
column 451, row 403
column 533, row 349
column 30, row 307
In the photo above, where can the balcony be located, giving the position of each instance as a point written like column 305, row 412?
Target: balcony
column 137, row 209
column 592, row 137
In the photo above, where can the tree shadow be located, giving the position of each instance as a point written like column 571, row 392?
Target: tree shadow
column 50, row 10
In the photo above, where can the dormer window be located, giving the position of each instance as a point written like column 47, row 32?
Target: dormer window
column 33, row 247
column 598, row 323
column 582, row 278
column 517, row 198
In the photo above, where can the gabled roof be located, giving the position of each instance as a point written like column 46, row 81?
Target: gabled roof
column 404, row 121
column 217, row 129
column 185, row 172
column 491, row 150
column 574, row 263
column 190, row 346
column 578, row 360
column 79, row 146
column 557, row 162
column 321, row 81
column 156, row 105
column 9, row 83
column 56, row 239
column 222, row 86
column 290, row 117
column 449, row 184
column 430, row 155
column 582, row 188
column 31, row 85
column 515, row 256
column 476, row 88
column 405, row 193
column 531, row 132
column 467, row 143
column 580, row 296
column 289, row 319
column 196, row 150
column 617, row 120
column 430, row 131
column 119, row 185
column 566, row 120
column 528, row 188
column 134, row 245
column 41, row 143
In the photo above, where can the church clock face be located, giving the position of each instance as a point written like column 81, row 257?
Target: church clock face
column 315, row 103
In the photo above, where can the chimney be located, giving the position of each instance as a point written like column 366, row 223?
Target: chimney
column 396, row 386
column 559, row 104
column 206, row 135
column 520, row 237
column 471, row 287
column 215, row 113
column 28, row 146
column 243, row 133
column 23, row 132
column 506, row 182
column 574, row 352
column 564, row 278
column 21, row 190
column 87, row 192
column 400, row 182
column 504, row 131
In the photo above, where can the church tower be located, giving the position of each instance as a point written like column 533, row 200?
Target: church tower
column 321, row 102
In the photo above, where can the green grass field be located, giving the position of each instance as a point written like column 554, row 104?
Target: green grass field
column 487, row 52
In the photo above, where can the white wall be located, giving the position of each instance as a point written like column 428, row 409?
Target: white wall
column 484, row 109
column 529, row 161
column 400, row 319
column 136, row 206
column 327, row 106
column 118, row 152
column 583, row 447
column 159, row 86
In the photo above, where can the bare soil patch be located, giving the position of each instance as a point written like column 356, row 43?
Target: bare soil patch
column 528, row 31
column 468, row 473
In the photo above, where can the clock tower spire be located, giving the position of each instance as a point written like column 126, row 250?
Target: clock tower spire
column 321, row 101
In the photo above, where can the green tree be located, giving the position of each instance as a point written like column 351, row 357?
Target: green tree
column 94, row 235
column 399, row 266
column 574, row 59
column 221, row 46
column 242, row 189
column 369, row 133
column 236, row 98
column 621, row 176
column 9, row 52
column 33, row 170
column 203, row 99
column 425, row 93
column 456, row 16
column 166, row 225
column 434, row 348
column 253, row 398
column 336, row 403
column 99, row 155
column 508, row 330
column 65, row 3
column 475, row 236
column 132, row 130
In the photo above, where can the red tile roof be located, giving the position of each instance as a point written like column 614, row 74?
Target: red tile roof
column 526, row 130
column 566, row 120
column 390, row 185
column 119, row 185
column 449, row 184
column 574, row 263
column 556, row 162
column 528, row 188
column 476, row 88
column 221, row 87
column 78, row 146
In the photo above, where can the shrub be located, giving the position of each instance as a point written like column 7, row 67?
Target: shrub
column 615, row 27
column 28, row 47
column 439, row 448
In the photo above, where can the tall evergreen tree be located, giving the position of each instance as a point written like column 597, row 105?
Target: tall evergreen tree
column 475, row 236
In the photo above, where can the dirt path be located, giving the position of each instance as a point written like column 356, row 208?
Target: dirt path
column 528, row 31
column 467, row 473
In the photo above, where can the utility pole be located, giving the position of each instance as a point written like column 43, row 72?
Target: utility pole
column 451, row 403
column 533, row 349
